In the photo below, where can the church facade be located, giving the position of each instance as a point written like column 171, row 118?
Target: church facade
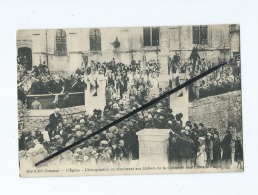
column 69, row 49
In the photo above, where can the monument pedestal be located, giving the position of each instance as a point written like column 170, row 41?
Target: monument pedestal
column 153, row 146
column 179, row 100
column 95, row 99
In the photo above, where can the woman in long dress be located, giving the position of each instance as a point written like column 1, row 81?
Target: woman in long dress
column 201, row 154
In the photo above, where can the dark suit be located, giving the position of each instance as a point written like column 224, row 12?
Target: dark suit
column 216, row 153
column 226, row 147
column 53, row 121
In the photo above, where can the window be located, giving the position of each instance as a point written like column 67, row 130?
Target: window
column 61, row 48
column 151, row 36
column 95, row 39
column 200, row 34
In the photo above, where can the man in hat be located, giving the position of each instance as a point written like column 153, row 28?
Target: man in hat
column 226, row 148
column 186, row 145
column 209, row 150
column 238, row 152
column 116, row 152
column 125, row 153
column 216, row 150
column 176, row 127
column 96, row 140
column 53, row 120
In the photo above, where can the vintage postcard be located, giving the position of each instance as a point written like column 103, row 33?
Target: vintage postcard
column 72, row 82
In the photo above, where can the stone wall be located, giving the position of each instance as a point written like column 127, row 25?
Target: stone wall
column 219, row 111
column 40, row 118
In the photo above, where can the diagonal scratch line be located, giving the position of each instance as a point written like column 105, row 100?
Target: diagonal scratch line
column 166, row 94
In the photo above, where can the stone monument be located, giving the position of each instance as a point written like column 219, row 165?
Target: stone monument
column 153, row 146
column 179, row 100
column 95, row 97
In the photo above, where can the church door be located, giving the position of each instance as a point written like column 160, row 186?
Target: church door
column 25, row 55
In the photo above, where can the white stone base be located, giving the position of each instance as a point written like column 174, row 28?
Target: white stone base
column 153, row 146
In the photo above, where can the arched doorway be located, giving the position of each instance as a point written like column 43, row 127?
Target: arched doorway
column 25, row 57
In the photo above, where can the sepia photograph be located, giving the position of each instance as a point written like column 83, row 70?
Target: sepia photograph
column 73, row 82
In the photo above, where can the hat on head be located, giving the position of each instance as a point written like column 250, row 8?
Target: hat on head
column 83, row 129
column 88, row 133
column 115, row 105
column 201, row 124
column 149, row 116
column 130, row 124
column 77, row 127
column 170, row 122
column 82, row 121
column 112, row 129
column 78, row 151
column 78, row 133
column 125, row 128
column 208, row 134
column 159, row 105
column 121, row 131
column 85, row 151
column 121, row 142
column 161, row 117
column 187, row 128
column 96, row 138
column 117, row 116
column 101, row 120
column 57, row 137
column 129, row 110
column 201, row 139
column 110, row 136
column 94, row 153
column 104, row 142
column 91, row 123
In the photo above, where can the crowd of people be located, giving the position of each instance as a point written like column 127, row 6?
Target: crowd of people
column 120, row 76
column 222, row 81
column 41, row 81
column 191, row 145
